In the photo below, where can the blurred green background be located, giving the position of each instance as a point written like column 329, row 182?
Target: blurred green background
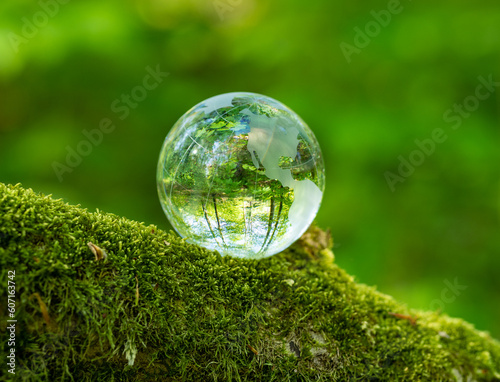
column 62, row 66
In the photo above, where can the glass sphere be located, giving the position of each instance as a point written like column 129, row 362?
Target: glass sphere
column 242, row 174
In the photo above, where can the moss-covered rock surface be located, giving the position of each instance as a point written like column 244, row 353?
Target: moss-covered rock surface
column 141, row 304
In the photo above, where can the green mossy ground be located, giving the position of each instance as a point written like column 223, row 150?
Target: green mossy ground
column 160, row 309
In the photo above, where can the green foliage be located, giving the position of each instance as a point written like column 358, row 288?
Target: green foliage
column 441, row 223
column 159, row 308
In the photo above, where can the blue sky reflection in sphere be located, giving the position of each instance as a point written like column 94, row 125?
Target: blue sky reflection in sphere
column 242, row 174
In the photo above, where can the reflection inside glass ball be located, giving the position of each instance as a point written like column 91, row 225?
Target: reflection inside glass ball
column 242, row 174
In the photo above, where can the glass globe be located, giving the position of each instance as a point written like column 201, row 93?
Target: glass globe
column 242, row 174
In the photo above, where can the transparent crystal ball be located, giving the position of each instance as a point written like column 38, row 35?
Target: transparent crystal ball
column 242, row 174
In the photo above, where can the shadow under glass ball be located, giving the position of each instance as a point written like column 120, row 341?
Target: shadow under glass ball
column 242, row 174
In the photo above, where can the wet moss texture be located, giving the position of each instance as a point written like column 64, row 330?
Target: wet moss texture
column 141, row 304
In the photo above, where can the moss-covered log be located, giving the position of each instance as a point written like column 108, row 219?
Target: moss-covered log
column 141, row 304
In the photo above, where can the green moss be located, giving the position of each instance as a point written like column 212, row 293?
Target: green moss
column 201, row 317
